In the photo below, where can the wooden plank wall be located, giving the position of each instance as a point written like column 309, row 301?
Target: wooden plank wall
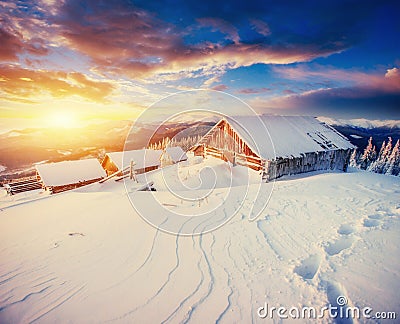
column 313, row 161
column 58, row 189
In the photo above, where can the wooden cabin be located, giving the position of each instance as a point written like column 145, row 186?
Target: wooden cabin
column 277, row 145
column 145, row 160
column 66, row 175
column 172, row 155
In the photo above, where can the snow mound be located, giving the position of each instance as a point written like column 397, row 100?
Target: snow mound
column 200, row 174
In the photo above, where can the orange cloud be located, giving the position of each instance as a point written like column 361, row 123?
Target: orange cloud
column 19, row 84
column 10, row 45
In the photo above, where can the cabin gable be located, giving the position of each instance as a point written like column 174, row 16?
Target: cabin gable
column 225, row 143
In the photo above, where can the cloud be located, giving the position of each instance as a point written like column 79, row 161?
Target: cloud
column 351, row 77
column 393, row 74
column 11, row 45
column 375, row 95
column 260, row 27
column 8, row 5
column 220, row 87
column 357, row 94
column 311, row 72
column 128, row 40
column 24, row 30
column 20, row 84
column 288, row 92
column 222, row 26
column 146, row 42
column 253, row 90
column 153, row 45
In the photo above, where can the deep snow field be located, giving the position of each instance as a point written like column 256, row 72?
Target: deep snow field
column 86, row 256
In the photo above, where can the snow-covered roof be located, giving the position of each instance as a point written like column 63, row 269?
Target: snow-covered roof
column 290, row 135
column 142, row 158
column 176, row 153
column 69, row 172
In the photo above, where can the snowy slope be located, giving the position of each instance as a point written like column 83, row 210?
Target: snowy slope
column 361, row 122
column 87, row 257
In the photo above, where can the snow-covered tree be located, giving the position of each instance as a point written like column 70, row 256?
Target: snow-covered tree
column 377, row 165
column 385, row 156
column 368, row 156
column 184, row 142
column 386, row 162
column 353, row 159
column 383, row 147
column 392, row 166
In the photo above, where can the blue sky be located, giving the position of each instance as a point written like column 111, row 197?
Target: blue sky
column 111, row 59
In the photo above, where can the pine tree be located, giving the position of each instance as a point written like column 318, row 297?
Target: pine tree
column 382, row 149
column 373, row 154
column 353, row 159
column 385, row 155
column 377, row 166
column 368, row 156
column 393, row 164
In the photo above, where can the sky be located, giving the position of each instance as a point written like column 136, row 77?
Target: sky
column 68, row 62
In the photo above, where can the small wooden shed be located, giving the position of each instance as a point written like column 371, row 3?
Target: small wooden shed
column 172, row 155
column 67, row 175
column 145, row 160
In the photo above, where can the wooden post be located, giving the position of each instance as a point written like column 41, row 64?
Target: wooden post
column 132, row 173
column 131, row 170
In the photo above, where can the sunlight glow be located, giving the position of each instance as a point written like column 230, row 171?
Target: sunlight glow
column 63, row 119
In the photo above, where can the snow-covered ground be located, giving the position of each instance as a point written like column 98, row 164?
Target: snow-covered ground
column 86, row 256
column 21, row 198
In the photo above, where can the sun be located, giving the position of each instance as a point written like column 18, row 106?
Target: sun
column 63, row 119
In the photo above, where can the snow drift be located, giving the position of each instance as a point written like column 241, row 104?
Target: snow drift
column 86, row 256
